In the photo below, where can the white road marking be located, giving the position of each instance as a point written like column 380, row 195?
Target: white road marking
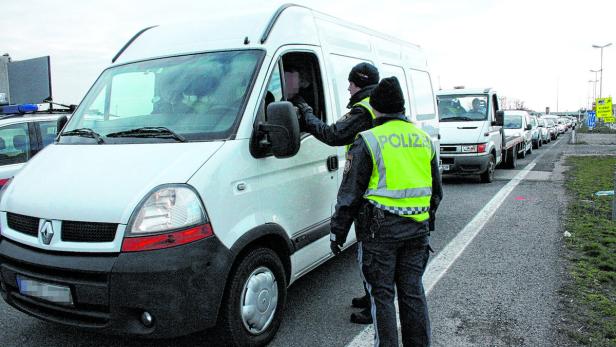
column 439, row 265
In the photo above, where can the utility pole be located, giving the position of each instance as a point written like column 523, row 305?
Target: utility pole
column 601, row 69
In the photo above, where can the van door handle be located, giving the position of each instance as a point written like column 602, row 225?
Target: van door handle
column 332, row 163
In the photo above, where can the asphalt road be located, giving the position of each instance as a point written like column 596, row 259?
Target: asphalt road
column 502, row 290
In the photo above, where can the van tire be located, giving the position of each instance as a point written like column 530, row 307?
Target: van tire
column 258, row 262
column 488, row 175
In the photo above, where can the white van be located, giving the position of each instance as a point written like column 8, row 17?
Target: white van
column 472, row 140
column 181, row 193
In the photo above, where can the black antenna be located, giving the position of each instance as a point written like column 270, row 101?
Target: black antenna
column 130, row 41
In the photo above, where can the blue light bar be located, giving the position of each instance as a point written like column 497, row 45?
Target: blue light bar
column 23, row 108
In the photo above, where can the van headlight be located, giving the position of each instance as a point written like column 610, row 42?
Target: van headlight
column 170, row 207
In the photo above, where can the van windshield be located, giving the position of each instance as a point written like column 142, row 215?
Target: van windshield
column 186, row 98
column 453, row 108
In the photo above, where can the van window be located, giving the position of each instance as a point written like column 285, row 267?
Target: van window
column 423, row 98
column 342, row 65
column 302, row 80
column 199, row 97
column 296, row 76
column 392, row 70
column 14, row 144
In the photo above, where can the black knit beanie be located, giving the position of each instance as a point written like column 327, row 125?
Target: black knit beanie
column 387, row 96
column 364, row 74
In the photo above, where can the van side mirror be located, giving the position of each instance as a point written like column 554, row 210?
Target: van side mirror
column 282, row 127
column 500, row 118
column 60, row 123
column 529, row 127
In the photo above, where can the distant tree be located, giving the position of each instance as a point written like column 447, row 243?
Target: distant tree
column 502, row 102
column 519, row 104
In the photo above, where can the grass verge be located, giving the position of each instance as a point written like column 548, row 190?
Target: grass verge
column 592, row 246
column 598, row 130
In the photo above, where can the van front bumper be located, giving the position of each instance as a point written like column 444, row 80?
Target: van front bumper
column 465, row 163
column 181, row 287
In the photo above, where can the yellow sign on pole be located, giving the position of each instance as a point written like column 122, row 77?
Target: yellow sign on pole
column 604, row 109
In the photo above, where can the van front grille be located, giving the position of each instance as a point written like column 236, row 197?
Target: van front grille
column 88, row 231
column 23, row 224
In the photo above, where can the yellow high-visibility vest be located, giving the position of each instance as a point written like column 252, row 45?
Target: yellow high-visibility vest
column 401, row 181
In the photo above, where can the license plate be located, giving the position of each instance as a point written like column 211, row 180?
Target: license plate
column 445, row 167
column 45, row 291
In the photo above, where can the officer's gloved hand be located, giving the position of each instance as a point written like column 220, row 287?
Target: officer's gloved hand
column 304, row 108
column 301, row 105
column 335, row 247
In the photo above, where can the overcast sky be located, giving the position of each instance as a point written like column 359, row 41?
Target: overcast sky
column 534, row 50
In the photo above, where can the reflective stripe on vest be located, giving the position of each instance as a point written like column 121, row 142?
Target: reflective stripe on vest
column 406, row 191
column 365, row 103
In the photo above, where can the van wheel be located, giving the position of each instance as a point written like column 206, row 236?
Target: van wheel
column 488, row 175
column 254, row 301
column 530, row 148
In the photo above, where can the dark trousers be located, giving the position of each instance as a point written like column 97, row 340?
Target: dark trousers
column 391, row 266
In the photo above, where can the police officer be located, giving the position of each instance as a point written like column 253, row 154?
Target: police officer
column 363, row 78
column 391, row 185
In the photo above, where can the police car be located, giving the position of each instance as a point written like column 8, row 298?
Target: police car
column 23, row 133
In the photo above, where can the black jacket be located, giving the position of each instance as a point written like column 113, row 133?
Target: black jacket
column 344, row 131
column 351, row 204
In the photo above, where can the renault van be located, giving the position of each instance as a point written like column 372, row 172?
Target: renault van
column 182, row 195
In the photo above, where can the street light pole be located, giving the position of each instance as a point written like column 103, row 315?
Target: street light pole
column 594, row 93
column 601, row 69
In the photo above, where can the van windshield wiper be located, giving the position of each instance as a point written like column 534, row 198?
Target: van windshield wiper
column 452, row 119
column 157, row 132
column 85, row 132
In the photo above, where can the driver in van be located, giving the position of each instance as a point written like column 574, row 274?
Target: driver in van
column 363, row 78
column 477, row 106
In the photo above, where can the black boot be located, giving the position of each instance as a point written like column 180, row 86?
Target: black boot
column 362, row 317
column 361, row 302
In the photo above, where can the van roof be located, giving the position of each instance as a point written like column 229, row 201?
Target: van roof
column 259, row 28
column 464, row 91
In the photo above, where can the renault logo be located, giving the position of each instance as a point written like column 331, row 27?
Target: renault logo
column 46, row 232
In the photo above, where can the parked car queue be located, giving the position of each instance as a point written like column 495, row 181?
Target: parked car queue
column 535, row 130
